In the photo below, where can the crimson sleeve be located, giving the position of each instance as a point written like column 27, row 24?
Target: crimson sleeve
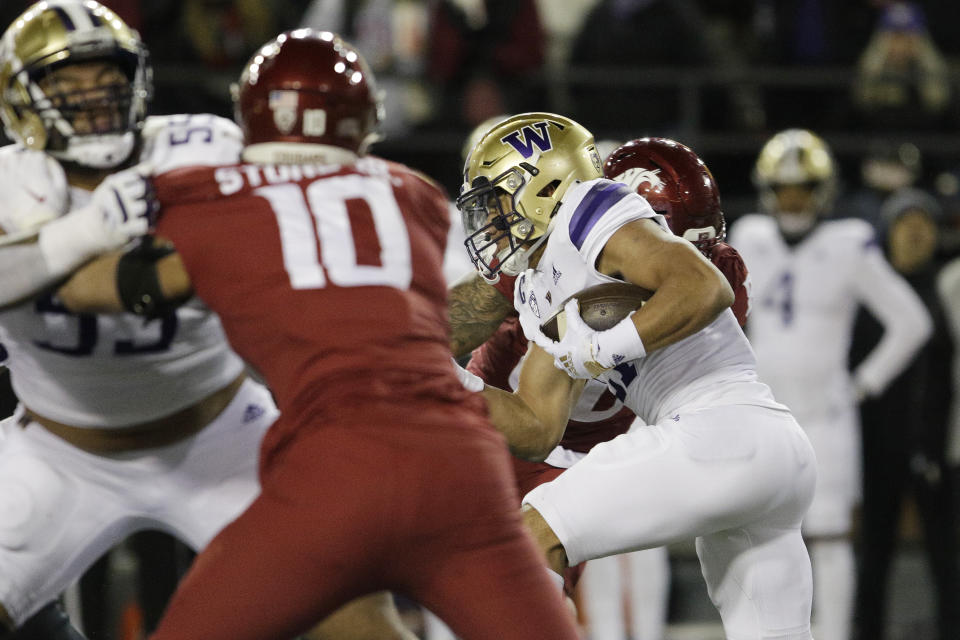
column 731, row 265
column 505, row 286
column 496, row 358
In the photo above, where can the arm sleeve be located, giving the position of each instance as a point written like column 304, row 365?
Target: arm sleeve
column 23, row 273
column 496, row 358
column 731, row 265
column 505, row 286
column 907, row 324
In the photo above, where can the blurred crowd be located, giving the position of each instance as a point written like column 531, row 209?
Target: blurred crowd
column 718, row 75
column 877, row 79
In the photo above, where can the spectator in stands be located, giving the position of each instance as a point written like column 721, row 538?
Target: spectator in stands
column 887, row 167
column 212, row 39
column 631, row 36
column 902, row 78
column 905, row 432
column 809, row 34
column 392, row 36
column 485, row 56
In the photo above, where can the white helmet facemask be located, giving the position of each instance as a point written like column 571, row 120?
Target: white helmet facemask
column 98, row 151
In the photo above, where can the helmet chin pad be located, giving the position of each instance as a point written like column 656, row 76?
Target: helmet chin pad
column 98, row 151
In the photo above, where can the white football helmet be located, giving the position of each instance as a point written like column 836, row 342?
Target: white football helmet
column 514, row 181
column 56, row 33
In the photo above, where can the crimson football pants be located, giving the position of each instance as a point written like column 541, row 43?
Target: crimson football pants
column 350, row 509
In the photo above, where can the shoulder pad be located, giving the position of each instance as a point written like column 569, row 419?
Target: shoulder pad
column 34, row 188
column 172, row 142
column 854, row 230
column 748, row 225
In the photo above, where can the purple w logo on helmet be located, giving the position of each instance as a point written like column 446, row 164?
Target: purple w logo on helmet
column 524, row 139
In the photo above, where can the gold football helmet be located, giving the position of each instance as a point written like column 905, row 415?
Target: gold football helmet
column 476, row 133
column 513, row 184
column 798, row 158
column 36, row 113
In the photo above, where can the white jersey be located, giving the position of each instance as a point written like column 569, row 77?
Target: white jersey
column 712, row 367
column 118, row 370
column 804, row 303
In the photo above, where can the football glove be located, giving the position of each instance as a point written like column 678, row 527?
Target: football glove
column 121, row 209
column 584, row 352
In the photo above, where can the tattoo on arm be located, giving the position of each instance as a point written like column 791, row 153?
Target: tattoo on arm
column 476, row 309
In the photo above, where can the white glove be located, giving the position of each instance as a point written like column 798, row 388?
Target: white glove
column 470, row 381
column 126, row 203
column 121, row 209
column 586, row 353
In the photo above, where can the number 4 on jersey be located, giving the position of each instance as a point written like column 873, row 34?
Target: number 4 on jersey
column 782, row 297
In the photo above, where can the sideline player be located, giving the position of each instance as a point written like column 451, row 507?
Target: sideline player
column 810, row 277
column 719, row 460
column 123, row 424
column 325, row 267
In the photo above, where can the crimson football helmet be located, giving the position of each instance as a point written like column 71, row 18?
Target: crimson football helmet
column 308, row 88
column 676, row 183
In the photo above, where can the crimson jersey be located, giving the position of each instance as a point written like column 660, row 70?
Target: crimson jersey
column 328, row 279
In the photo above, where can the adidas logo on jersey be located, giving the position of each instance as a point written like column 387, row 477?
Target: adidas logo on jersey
column 252, row 412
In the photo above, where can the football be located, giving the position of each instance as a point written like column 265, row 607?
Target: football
column 601, row 306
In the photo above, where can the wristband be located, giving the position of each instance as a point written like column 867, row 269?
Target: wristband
column 620, row 343
column 138, row 283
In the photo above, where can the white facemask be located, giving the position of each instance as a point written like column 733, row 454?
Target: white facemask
column 98, row 151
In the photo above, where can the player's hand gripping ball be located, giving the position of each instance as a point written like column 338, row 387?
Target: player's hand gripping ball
column 601, row 307
column 592, row 332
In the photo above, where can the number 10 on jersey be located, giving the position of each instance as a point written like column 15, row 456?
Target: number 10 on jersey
column 320, row 214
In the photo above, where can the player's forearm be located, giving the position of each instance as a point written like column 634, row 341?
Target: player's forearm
column 92, row 288
column 475, row 309
column 23, row 273
column 680, row 309
column 528, row 436
column 689, row 291
column 907, row 327
column 147, row 281
column 534, row 418
column 907, row 324
column 60, row 245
